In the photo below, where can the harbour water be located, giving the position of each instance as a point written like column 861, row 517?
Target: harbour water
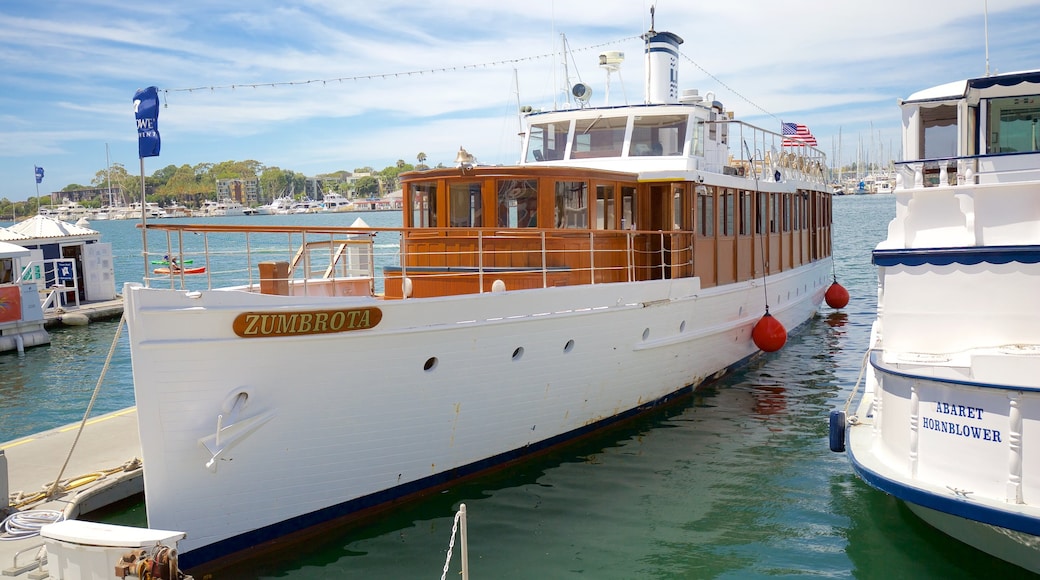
column 734, row 482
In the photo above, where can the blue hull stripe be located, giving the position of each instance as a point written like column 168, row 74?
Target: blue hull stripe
column 956, row 506
column 967, row 256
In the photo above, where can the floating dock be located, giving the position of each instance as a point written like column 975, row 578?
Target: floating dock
column 104, row 468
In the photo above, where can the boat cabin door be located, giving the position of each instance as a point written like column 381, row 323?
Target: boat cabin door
column 668, row 251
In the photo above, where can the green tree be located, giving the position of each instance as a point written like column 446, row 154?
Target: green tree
column 367, row 186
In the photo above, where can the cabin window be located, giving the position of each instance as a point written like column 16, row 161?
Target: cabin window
column 728, row 211
column 799, row 210
column 605, row 207
column 517, row 203
column 763, row 213
column 746, row 211
column 548, row 141
column 658, row 135
column 6, row 270
column 464, row 207
column 571, row 207
column 599, row 137
column 940, row 132
column 1014, row 124
column 424, row 205
column 677, row 204
column 774, row 216
column 628, row 208
column 787, row 212
column 706, row 211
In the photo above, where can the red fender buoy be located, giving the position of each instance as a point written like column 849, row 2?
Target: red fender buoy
column 837, row 296
column 769, row 334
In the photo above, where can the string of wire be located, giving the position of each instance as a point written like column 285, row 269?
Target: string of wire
column 375, row 76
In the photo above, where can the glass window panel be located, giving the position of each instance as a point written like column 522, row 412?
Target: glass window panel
column 424, row 205
column 658, row 135
column 571, row 207
column 517, row 203
column 464, row 206
column 599, row 137
column 605, row 207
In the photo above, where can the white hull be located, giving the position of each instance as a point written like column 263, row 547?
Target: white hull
column 440, row 388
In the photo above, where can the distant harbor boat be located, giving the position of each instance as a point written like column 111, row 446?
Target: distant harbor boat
column 950, row 410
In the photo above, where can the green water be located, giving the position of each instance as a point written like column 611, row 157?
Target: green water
column 734, row 482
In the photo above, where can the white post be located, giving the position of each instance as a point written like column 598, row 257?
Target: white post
column 465, row 542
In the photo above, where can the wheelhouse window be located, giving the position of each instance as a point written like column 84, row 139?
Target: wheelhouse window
column 706, row 211
column 604, row 207
column 697, row 138
column 517, row 203
column 940, row 132
column 1014, row 124
column 548, row 141
column 658, row 135
column 424, row 205
column 599, row 137
column 571, row 207
column 464, row 205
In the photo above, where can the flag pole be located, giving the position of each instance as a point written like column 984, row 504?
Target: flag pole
column 144, row 226
column 146, row 113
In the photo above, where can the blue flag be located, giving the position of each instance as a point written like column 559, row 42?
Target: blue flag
column 39, row 174
column 146, row 111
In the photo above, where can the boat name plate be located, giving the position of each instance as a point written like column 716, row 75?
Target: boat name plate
column 267, row 324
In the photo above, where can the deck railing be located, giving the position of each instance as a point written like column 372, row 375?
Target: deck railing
column 232, row 254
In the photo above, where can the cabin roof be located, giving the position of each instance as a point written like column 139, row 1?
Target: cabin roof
column 40, row 227
column 9, row 250
column 958, row 89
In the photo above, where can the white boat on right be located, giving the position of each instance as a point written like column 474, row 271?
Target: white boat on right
column 949, row 420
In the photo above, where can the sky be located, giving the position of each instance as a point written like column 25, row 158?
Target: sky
column 318, row 86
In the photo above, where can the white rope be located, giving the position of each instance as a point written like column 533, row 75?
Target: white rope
column 855, row 388
column 27, row 524
column 451, row 544
column 90, row 406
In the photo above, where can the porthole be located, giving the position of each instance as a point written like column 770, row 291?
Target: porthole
column 682, row 326
column 569, row 346
column 431, row 363
column 646, row 333
column 518, row 353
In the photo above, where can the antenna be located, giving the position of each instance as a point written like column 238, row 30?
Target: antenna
column 986, row 25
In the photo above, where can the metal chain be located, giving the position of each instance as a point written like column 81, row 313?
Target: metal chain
column 451, row 544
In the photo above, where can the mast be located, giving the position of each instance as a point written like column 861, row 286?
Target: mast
column 108, row 172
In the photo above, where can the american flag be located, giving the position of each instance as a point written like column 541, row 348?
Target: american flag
column 796, row 134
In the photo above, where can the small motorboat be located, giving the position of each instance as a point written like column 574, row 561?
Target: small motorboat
column 198, row 270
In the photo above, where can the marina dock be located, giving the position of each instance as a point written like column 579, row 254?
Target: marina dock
column 104, row 468
column 85, row 313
